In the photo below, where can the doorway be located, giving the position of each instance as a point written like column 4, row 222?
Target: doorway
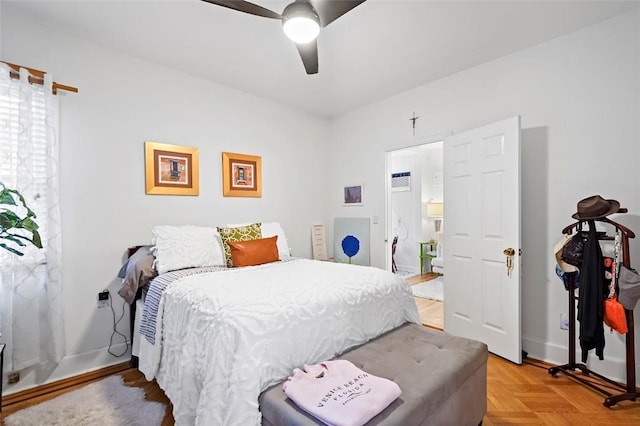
column 481, row 186
column 415, row 222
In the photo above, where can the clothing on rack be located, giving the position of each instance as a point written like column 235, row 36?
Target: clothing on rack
column 591, row 296
column 557, row 250
column 595, row 209
column 566, row 276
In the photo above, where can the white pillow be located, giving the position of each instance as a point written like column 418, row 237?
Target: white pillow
column 179, row 247
column 269, row 229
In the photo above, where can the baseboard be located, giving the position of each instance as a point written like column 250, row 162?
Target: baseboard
column 68, row 367
column 24, row 395
column 610, row 367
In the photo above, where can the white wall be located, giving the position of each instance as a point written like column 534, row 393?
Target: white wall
column 122, row 102
column 406, row 210
column 579, row 99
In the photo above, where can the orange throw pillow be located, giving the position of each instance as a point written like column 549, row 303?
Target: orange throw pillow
column 254, row 252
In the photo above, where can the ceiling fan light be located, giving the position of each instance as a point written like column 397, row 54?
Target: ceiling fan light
column 301, row 29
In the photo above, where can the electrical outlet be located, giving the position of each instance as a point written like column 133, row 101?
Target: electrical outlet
column 103, row 299
column 13, row 378
column 564, row 322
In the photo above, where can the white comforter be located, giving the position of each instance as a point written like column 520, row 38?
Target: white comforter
column 226, row 336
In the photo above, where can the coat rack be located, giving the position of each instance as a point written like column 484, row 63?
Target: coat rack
column 629, row 391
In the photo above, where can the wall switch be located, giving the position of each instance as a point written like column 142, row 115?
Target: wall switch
column 375, row 220
column 103, row 299
column 564, row 322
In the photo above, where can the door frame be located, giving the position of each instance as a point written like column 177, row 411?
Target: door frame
column 411, row 143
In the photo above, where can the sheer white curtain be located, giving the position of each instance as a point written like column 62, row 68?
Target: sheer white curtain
column 31, row 317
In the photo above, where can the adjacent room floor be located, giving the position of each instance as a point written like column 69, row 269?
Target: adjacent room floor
column 431, row 311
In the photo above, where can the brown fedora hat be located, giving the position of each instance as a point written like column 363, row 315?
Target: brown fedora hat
column 595, row 207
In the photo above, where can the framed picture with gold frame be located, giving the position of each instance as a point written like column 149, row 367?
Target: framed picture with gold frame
column 171, row 169
column 241, row 175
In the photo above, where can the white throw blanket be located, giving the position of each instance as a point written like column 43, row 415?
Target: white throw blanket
column 228, row 335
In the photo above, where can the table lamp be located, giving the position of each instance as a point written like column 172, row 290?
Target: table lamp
column 436, row 211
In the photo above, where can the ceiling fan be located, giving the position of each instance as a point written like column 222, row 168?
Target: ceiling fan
column 301, row 21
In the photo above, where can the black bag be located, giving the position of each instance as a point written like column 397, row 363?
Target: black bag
column 572, row 251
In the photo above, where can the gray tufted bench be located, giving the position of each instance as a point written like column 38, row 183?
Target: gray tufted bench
column 443, row 380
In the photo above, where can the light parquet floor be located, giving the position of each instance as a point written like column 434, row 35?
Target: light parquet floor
column 528, row 395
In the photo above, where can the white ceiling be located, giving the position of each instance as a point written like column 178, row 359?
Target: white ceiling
column 378, row 49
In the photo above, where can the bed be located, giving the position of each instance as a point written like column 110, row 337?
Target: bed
column 215, row 335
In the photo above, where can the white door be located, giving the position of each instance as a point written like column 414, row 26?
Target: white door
column 481, row 220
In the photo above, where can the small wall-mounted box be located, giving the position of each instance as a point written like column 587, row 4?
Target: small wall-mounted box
column 103, row 299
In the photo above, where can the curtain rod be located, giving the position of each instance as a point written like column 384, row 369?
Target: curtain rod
column 37, row 77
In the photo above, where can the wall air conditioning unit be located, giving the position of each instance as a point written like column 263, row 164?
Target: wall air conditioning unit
column 401, row 181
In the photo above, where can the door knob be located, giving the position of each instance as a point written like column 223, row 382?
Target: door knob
column 509, row 252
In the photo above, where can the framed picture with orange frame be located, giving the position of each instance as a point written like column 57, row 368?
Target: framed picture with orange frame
column 171, row 169
column 241, row 175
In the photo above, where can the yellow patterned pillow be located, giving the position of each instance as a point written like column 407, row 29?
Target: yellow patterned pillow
column 240, row 233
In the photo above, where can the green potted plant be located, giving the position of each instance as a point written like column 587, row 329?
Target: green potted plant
column 17, row 225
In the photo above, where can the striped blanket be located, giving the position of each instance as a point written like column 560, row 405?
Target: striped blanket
column 157, row 286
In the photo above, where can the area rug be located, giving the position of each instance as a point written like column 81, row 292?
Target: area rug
column 404, row 273
column 432, row 289
column 106, row 403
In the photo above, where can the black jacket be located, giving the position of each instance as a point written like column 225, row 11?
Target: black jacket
column 591, row 296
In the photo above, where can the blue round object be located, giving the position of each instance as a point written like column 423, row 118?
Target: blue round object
column 350, row 245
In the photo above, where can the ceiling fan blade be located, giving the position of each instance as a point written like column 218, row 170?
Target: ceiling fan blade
column 247, row 7
column 309, row 55
column 329, row 10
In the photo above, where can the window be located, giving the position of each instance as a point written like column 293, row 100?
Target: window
column 23, row 157
column 31, row 303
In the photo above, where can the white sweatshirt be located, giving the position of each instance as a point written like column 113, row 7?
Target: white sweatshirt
column 340, row 394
